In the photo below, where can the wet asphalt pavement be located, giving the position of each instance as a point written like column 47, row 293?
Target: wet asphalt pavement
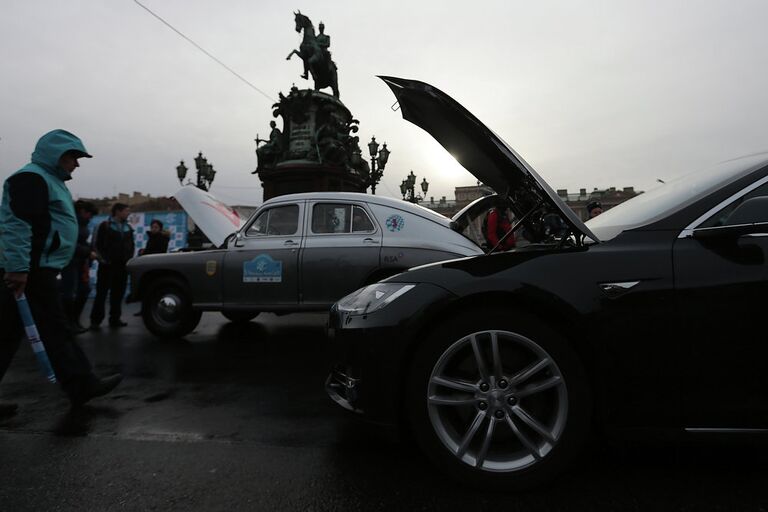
column 235, row 418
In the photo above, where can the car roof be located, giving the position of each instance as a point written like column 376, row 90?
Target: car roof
column 359, row 197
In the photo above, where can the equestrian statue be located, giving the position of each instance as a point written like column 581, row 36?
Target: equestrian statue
column 314, row 52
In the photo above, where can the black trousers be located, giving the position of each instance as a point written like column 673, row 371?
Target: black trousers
column 70, row 364
column 112, row 280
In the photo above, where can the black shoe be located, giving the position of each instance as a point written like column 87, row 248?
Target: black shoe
column 117, row 323
column 8, row 410
column 95, row 387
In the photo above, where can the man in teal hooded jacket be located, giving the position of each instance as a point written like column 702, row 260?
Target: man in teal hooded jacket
column 38, row 232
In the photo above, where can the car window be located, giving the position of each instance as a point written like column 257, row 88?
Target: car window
column 278, row 221
column 723, row 217
column 331, row 218
column 361, row 223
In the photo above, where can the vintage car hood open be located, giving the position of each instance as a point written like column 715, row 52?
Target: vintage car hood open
column 479, row 150
column 214, row 218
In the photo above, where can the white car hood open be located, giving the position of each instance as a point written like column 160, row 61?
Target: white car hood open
column 214, row 218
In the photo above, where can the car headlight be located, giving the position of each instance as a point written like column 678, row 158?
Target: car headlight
column 373, row 297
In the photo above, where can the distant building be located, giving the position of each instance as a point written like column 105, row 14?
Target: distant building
column 463, row 196
column 137, row 201
column 608, row 198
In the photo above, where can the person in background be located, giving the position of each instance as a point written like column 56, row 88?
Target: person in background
column 594, row 209
column 72, row 285
column 38, row 233
column 157, row 243
column 114, row 246
column 157, row 239
column 497, row 225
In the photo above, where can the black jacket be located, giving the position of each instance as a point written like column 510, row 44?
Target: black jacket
column 82, row 247
column 114, row 242
column 157, row 243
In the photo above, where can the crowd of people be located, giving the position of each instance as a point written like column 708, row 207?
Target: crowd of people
column 46, row 254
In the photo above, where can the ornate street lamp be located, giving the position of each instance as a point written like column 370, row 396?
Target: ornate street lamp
column 181, row 172
column 411, row 180
column 373, row 147
column 379, row 160
column 205, row 172
column 383, row 156
column 408, row 188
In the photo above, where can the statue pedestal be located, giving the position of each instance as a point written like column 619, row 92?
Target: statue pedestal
column 316, row 151
column 295, row 176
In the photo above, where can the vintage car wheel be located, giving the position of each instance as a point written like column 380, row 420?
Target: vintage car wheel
column 498, row 400
column 167, row 310
column 240, row 317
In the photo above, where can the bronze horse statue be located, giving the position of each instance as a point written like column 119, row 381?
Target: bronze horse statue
column 316, row 61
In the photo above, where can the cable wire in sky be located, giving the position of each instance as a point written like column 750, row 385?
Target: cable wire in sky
column 205, row 51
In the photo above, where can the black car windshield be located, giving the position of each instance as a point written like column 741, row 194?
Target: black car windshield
column 671, row 196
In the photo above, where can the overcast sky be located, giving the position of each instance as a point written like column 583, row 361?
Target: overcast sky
column 591, row 93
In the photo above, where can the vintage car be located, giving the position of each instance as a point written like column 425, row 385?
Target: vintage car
column 649, row 316
column 298, row 252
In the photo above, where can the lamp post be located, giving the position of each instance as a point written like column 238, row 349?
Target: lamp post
column 379, row 159
column 408, row 188
column 205, row 172
column 181, row 172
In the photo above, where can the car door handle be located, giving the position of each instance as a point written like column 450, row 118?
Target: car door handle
column 289, row 243
column 370, row 241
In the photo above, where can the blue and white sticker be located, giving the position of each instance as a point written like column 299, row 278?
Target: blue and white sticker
column 395, row 223
column 262, row 269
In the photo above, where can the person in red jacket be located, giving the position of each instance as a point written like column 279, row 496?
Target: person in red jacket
column 497, row 225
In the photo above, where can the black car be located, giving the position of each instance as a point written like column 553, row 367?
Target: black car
column 648, row 316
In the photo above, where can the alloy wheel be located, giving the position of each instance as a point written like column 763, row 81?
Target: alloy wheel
column 497, row 401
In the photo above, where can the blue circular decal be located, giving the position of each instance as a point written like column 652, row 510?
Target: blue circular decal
column 395, row 223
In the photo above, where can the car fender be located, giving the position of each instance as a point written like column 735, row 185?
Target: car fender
column 201, row 271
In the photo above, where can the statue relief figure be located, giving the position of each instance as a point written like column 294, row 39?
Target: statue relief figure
column 269, row 152
column 314, row 52
column 328, row 141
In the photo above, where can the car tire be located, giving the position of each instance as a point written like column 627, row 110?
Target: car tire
column 240, row 317
column 167, row 309
column 511, row 426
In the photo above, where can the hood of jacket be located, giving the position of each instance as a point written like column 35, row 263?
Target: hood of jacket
column 51, row 146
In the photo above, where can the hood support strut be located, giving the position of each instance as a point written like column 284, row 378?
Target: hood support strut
column 514, row 228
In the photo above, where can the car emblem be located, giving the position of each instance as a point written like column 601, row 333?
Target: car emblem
column 395, row 223
column 210, row 268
